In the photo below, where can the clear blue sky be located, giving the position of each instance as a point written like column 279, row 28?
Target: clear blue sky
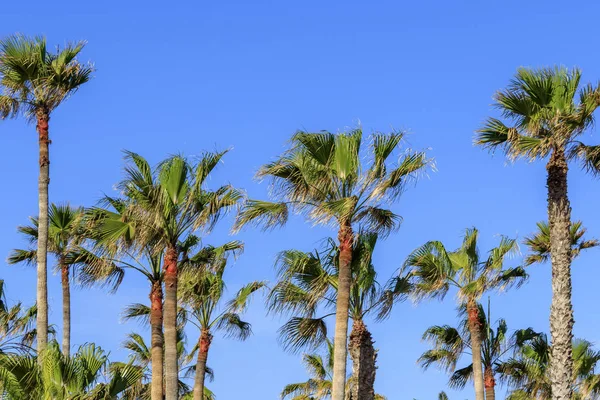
column 246, row 74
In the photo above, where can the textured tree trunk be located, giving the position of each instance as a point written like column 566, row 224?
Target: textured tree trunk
column 66, row 292
column 363, row 357
column 43, row 116
column 170, row 315
column 561, row 311
column 475, row 331
column 340, row 354
column 157, row 341
column 489, row 383
column 203, row 346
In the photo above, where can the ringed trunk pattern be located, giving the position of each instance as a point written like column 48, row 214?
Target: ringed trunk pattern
column 43, row 116
column 170, row 324
column 157, row 341
column 345, row 237
column 489, row 383
column 203, row 346
column 363, row 357
column 475, row 331
column 561, row 311
column 66, row 292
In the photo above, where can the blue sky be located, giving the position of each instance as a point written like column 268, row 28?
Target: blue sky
column 246, row 74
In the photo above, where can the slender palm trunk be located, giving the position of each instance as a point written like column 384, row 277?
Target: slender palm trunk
column 203, row 346
column 157, row 341
column 340, row 353
column 475, row 331
column 363, row 357
column 489, row 383
column 43, row 116
column 561, row 311
column 66, row 308
column 170, row 322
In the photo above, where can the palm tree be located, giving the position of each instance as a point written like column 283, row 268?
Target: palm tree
column 318, row 386
column 308, row 285
column 324, row 177
column 87, row 375
column 202, row 290
column 449, row 344
column 16, row 333
column 546, row 121
column 539, row 243
column 164, row 206
column 34, row 83
column 528, row 375
column 65, row 236
column 435, row 269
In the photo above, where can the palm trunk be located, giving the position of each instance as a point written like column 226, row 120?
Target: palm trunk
column 489, row 383
column 66, row 315
column 561, row 311
column 203, row 346
column 43, row 117
column 340, row 353
column 475, row 331
column 363, row 357
column 157, row 341
column 170, row 314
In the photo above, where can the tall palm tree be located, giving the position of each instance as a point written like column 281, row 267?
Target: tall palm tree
column 318, row 386
column 166, row 204
column 65, row 236
column 545, row 120
column 449, row 344
column 435, row 270
column 527, row 374
column 333, row 180
column 202, row 291
column 16, row 333
column 51, row 375
column 307, row 290
column 34, row 82
column 539, row 243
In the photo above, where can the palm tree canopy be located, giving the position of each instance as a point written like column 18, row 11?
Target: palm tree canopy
column 548, row 110
column 17, row 330
column 32, row 78
column 539, row 242
column 435, row 269
column 324, row 176
column 307, row 286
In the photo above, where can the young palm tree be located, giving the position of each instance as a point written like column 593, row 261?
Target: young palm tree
column 435, row 269
column 16, row 333
column 165, row 205
column 450, row 344
column 528, row 373
column 65, row 236
column 87, row 375
column 539, row 243
column 34, row 83
column 545, row 122
column 308, row 285
column 325, row 177
column 201, row 291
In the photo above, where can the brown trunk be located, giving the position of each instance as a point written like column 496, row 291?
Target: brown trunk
column 340, row 354
column 66, row 291
column 561, row 311
column 475, row 331
column 157, row 342
column 489, row 383
column 43, row 116
column 363, row 357
column 203, row 346
column 170, row 323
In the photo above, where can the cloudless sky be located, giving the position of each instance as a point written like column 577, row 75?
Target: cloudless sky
column 183, row 77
